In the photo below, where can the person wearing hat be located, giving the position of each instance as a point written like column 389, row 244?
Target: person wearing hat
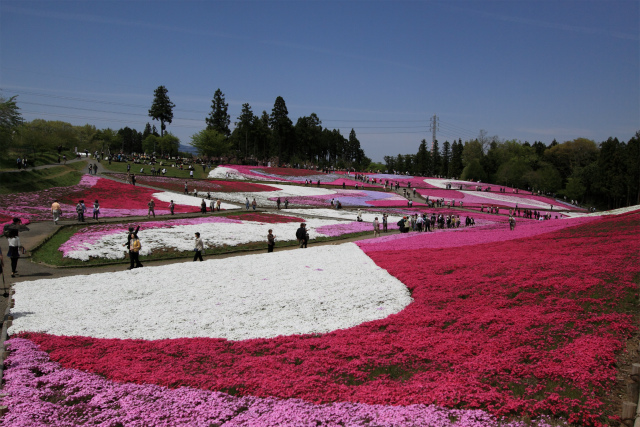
column 302, row 235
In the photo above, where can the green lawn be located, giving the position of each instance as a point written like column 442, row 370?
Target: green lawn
column 8, row 162
column 121, row 167
column 35, row 180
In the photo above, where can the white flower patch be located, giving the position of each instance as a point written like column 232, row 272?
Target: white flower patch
column 594, row 214
column 262, row 197
column 442, row 183
column 497, row 197
column 301, row 291
column 222, row 172
column 181, row 237
column 367, row 216
column 186, row 200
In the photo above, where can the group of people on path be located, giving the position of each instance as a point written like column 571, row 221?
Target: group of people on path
column 134, row 246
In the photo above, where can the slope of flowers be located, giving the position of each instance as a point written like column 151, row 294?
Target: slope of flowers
column 116, row 200
column 36, row 205
column 523, row 327
column 300, row 196
column 106, row 241
column 503, row 200
column 177, row 184
column 41, row 390
column 263, row 173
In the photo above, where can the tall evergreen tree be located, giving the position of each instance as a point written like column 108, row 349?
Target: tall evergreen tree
column 281, row 127
column 219, row 118
column 162, row 108
column 446, row 158
column 455, row 167
column 436, row 159
column 147, row 131
column 243, row 135
column 421, row 158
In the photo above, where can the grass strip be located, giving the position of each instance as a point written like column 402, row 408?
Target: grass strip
column 41, row 179
column 121, row 167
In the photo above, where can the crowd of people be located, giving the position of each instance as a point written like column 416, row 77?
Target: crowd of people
column 425, row 223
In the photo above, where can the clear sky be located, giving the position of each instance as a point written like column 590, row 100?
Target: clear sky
column 519, row 69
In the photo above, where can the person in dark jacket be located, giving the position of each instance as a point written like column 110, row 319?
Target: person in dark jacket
column 302, row 235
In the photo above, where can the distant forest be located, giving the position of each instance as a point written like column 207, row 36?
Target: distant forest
column 605, row 174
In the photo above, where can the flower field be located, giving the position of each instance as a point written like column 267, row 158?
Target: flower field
column 292, row 175
column 106, row 241
column 177, row 184
column 116, row 200
column 309, row 196
column 476, row 199
column 459, row 328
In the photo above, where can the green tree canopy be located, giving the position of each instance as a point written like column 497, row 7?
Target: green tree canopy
column 474, row 171
column 211, row 143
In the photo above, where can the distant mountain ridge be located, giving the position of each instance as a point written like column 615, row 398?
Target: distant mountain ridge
column 187, row 149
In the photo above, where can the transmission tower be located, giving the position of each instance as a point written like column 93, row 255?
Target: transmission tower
column 433, row 126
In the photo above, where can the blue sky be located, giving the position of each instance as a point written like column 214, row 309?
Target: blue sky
column 526, row 70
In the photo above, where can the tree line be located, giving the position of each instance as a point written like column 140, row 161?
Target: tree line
column 606, row 175
column 269, row 136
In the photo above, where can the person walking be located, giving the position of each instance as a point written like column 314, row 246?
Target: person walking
column 172, row 207
column 203, row 207
column 278, row 203
column 186, row 190
column 286, row 203
column 271, row 241
column 14, row 244
column 198, row 248
column 96, row 210
column 254, row 204
column 56, row 211
column 246, row 203
column 376, row 228
column 212, row 205
column 218, row 204
column 80, row 209
column 302, row 235
column 385, row 219
column 152, row 206
column 133, row 179
column 133, row 248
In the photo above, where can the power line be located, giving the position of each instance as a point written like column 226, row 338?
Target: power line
column 102, row 111
column 445, row 128
column 73, row 116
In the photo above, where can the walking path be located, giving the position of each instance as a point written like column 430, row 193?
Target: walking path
column 74, row 160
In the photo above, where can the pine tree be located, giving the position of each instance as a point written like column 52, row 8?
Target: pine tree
column 162, row 108
column 219, row 118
